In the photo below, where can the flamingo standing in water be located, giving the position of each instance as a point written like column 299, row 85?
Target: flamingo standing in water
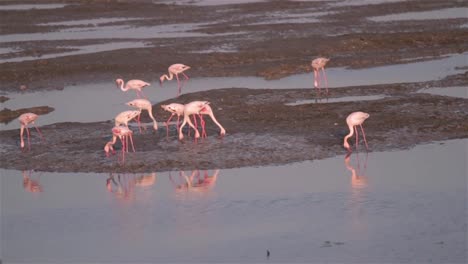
column 26, row 119
column 144, row 104
column 355, row 119
column 192, row 108
column 136, row 85
column 174, row 109
column 123, row 133
column 175, row 69
column 319, row 64
column 206, row 110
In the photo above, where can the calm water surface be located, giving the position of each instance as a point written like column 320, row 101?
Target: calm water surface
column 392, row 207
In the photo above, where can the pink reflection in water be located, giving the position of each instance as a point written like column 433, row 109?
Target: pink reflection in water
column 123, row 185
column 31, row 181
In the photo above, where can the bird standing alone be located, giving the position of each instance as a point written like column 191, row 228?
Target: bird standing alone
column 26, row 119
column 355, row 119
column 136, row 85
column 319, row 64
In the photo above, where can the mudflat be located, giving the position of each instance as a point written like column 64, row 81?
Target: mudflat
column 264, row 39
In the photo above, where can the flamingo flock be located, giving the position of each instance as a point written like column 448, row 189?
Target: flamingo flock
column 194, row 109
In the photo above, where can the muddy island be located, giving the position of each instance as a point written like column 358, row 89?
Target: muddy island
column 264, row 126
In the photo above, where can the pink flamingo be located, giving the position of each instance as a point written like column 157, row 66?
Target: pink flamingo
column 317, row 64
column 175, row 69
column 146, row 105
column 26, row 119
column 206, row 110
column 174, row 109
column 355, row 119
column 123, row 133
column 136, row 85
column 124, row 117
column 192, row 108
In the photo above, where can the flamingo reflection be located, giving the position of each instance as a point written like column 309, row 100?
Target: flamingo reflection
column 358, row 178
column 123, row 185
column 196, row 181
column 31, row 181
column 358, row 197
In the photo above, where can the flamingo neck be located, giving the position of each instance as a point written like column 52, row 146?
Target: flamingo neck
column 170, row 77
column 351, row 133
column 216, row 121
column 21, row 135
column 122, row 87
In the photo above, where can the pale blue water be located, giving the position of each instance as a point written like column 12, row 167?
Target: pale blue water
column 400, row 207
column 447, row 13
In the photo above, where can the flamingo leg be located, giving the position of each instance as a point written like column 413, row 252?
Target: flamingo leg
column 29, row 142
column 138, row 121
column 167, row 124
column 178, row 121
column 126, row 143
column 357, row 137
column 364, row 136
column 185, row 75
column 39, row 132
column 325, row 76
column 143, row 95
column 202, row 122
column 131, row 141
column 317, row 81
column 179, row 87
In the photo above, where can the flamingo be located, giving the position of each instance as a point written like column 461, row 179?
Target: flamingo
column 174, row 109
column 124, row 117
column 317, row 64
column 26, row 119
column 136, row 85
column 355, row 119
column 144, row 104
column 192, row 108
column 123, row 133
column 175, row 69
column 206, row 110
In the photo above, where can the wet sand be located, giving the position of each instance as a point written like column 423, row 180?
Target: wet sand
column 261, row 128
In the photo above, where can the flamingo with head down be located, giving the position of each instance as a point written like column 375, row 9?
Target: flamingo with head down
column 124, row 134
column 146, row 105
column 353, row 120
column 26, row 119
column 192, row 108
column 319, row 64
column 174, row 109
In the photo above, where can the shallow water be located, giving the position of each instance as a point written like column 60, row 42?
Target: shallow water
column 209, row 2
column 341, row 99
column 95, row 95
column 31, row 6
column 113, row 32
column 401, row 206
column 94, row 22
column 79, row 50
column 456, row 91
column 456, row 12
column 362, row 2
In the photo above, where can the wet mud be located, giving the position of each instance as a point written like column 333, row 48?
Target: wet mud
column 261, row 128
